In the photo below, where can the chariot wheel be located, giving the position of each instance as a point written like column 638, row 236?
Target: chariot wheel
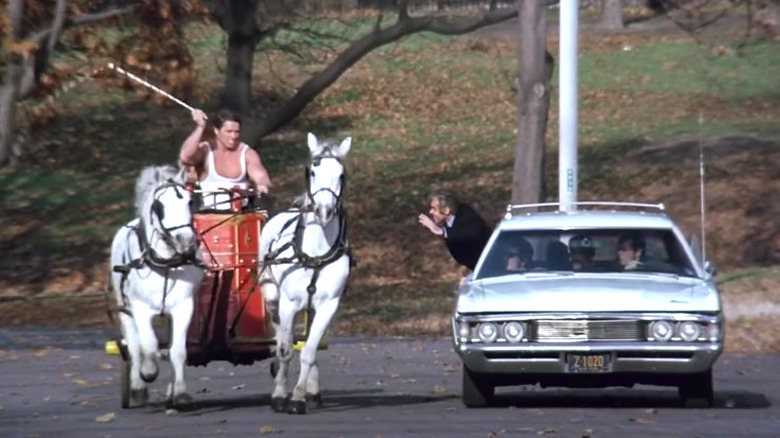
column 125, row 382
column 477, row 389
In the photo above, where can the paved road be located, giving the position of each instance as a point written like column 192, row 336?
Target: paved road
column 371, row 388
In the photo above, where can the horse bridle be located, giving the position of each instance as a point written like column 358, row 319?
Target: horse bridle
column 308, row 173
column 157, row 209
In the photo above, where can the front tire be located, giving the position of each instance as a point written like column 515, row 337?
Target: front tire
column 477, row 389
column 696, row 391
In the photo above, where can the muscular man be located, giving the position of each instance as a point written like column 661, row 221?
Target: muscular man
column 223, row 163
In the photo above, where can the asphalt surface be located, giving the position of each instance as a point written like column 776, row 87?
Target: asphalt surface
column 60, row 383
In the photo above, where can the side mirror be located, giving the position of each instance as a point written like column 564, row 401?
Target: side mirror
column 710, row 269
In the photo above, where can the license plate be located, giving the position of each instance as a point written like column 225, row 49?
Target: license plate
column 589, row 363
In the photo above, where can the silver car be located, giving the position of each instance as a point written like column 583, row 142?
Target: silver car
column 610, row 294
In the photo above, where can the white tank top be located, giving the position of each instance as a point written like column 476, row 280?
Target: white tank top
column 216, row 182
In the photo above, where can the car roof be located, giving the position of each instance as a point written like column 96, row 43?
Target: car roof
column 608, row 215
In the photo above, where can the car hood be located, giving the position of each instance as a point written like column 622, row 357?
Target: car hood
column 587, row 293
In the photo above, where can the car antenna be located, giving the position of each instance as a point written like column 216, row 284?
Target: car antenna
column 701, row 188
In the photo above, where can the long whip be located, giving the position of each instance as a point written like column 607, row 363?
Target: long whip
column 121, row 71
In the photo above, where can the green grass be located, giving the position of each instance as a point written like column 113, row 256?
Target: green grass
column 427, row 111
column 685, row 68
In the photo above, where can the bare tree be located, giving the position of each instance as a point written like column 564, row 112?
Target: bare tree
column 231, row 16
column 533, row 102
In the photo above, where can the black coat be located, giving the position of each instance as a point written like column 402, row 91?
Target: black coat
column 467, row 237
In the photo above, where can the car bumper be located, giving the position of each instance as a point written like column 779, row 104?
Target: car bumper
column 682, row 358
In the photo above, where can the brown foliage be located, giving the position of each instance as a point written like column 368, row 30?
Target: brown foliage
column 152, row 45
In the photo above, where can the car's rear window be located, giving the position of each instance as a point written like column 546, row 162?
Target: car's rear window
column 590, row 250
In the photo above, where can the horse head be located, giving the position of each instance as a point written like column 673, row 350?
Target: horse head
column 163, row 204
column 325, row 177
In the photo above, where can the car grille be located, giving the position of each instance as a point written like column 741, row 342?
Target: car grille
column 586, row 330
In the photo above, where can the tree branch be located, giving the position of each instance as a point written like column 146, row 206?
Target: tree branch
column 42, row 35
column 376, row 38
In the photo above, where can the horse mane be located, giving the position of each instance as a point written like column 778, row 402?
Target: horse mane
column 149, row 179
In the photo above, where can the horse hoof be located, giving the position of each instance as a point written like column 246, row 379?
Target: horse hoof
column 149, row 378
column 316, row 399
column 279, row 404
column 139, row 396
column 297, row 407
column 180, row 401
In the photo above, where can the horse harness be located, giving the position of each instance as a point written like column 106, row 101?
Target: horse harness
column 299, row 257
column 149, row 257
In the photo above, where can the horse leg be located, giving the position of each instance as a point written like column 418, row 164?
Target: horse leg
column 270, row 295
column 139, row 393
column 313, row 385
column 284, row 354
column 181, row 315
column 319, row 325
column 148, row 342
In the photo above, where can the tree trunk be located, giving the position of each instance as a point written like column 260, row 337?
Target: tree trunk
column 240, row 19
column 14, row 72
column 611, row 15
column 8, row 94
column 533, row 102
column 237, row 94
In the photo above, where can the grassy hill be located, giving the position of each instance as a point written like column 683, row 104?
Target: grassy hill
column 429, row 111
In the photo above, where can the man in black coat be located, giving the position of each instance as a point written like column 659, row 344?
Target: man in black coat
column 463, row 229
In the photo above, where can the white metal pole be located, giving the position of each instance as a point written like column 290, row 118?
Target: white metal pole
column 567, row 105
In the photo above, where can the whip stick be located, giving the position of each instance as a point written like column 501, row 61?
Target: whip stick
column 147, row 84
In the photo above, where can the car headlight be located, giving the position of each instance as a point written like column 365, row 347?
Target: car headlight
column 688, row 331
column 514, row 331
column 487, row 332
column 464, row 330
column 713, row 332
column 661, row 330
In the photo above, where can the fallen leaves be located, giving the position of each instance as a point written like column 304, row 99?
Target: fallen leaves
column 105, row 418
column 266, row 429
column 42, row 352
column 439, row 389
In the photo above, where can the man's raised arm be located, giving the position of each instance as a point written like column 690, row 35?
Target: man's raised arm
column 191, row 153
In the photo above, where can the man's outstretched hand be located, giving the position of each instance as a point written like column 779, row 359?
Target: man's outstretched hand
column 430, row 224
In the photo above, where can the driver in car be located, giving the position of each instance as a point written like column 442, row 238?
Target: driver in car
column 582, row 250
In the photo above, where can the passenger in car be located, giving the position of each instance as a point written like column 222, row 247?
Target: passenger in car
column 558, row 256
column 519, row 256
column 582, row 250
column 631, row 250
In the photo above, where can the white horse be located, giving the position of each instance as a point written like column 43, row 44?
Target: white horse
column 155, row 272
column 306, row 263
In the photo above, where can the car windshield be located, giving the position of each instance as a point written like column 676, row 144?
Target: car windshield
column 589, row 250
